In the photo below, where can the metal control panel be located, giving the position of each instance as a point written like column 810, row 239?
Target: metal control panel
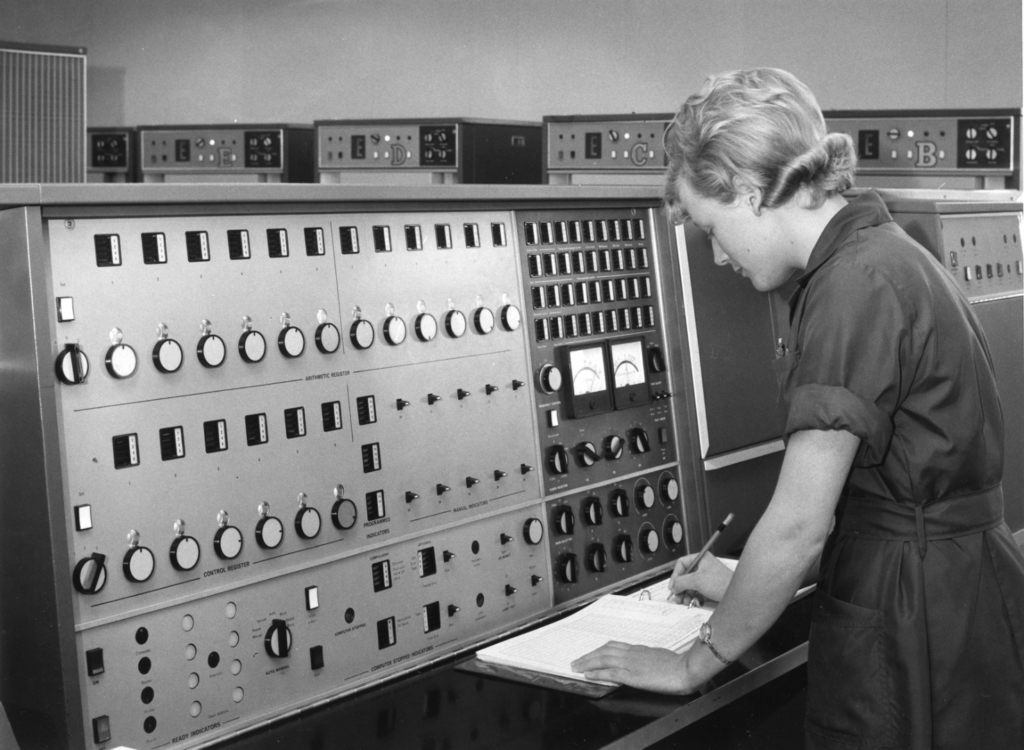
column 283, row 443
column 979, row 243
column 605, row 149
column 226, row 153
column 112, row 155
column 417, row 152
column 926, row 149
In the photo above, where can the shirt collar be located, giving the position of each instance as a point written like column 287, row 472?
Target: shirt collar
column 867, row 210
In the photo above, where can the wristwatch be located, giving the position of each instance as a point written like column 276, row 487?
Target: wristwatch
column 705, row 638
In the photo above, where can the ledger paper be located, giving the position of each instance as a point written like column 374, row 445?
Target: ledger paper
column 554, row 647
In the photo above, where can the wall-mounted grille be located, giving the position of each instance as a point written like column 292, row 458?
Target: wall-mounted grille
column 42, row 114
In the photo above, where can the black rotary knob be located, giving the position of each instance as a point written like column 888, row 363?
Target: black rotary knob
column 533, row 531
column 565, row 522
column 361, row 334
column 568, row 568
column 673, row 531
column 483, row 321
column 394, row 330
column 619, row 503
column 90, row 574
column 549, row 378
column 587, row 455
column 343, row 514
column 455, row 323
column 138, row 564
column 592, row 511
column 639, row 441
column 167, row 355
column 291, row 341
column 211, row 350
column 184, row 553
column 623, row 549
column 510, row 317
column 644, row 497
column 558, row 460
column 426, row 327
column 597, row 558
column 269, row 532
column 307, row 522
column 327, row 338
column 613, row 446
column 669, row 490
column 227, row 542
column 121, row 361
column 252, row 347
column 72, row 366
column 649, row 540
column 278, row 640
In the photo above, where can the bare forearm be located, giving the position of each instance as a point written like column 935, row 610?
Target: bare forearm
column 784, row 547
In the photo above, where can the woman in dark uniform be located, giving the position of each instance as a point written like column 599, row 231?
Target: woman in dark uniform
column 894, row 447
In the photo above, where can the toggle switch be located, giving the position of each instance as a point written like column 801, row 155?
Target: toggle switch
column 433, row 398
column 489, row 389
column 510, row 589
column 410, row 496
column 470, row 481
column 452, row 609
column 523, row 468
column 401, row 404
column 535, row 579
column 506, row 538
column 499, row 474
column 517, row 384
column 447, row 556
column 461, row 393
column 442, row 488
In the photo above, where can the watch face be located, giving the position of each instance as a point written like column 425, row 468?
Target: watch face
column 705, row 632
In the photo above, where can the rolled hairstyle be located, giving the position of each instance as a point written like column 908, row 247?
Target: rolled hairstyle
column 759, row 128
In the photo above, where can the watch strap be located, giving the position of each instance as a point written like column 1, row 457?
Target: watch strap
column 705, row 638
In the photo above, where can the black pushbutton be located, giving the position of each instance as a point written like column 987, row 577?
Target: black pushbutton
column 94, row 662
column 316, row 657
column 101, row 729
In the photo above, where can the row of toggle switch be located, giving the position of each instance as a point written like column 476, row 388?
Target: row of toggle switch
column 583, row 231
column 155, row 250
column 594, row 323
column 592, row 292
column 587, row 262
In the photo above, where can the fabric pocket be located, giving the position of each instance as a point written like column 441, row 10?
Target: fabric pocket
column 848, row 690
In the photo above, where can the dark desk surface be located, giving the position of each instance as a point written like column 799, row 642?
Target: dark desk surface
column 754, row 703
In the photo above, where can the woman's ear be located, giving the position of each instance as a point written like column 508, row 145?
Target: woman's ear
column 751, row 197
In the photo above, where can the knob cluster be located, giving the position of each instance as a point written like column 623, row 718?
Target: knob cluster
column 425, row 326
column 587, row 453
column 168, row 356
column 185, row 551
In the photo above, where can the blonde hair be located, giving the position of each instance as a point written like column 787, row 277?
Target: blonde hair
column 759, row 128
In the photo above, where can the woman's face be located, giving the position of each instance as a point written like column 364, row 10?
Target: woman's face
column 743, row 236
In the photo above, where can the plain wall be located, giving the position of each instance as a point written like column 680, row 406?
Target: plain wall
column 251, row 61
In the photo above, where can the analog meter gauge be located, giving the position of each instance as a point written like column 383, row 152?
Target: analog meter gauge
column 588, row 379
column 629, row 373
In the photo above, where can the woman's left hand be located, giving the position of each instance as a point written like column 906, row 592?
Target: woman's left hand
column 656, row 669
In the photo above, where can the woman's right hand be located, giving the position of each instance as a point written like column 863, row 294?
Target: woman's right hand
column 707, row 583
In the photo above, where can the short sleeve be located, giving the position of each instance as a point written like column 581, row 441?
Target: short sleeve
column 851, row 340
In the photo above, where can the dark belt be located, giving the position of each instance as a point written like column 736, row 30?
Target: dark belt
column 886, row 519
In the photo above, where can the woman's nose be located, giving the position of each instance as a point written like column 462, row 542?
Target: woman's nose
column 721, row 258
